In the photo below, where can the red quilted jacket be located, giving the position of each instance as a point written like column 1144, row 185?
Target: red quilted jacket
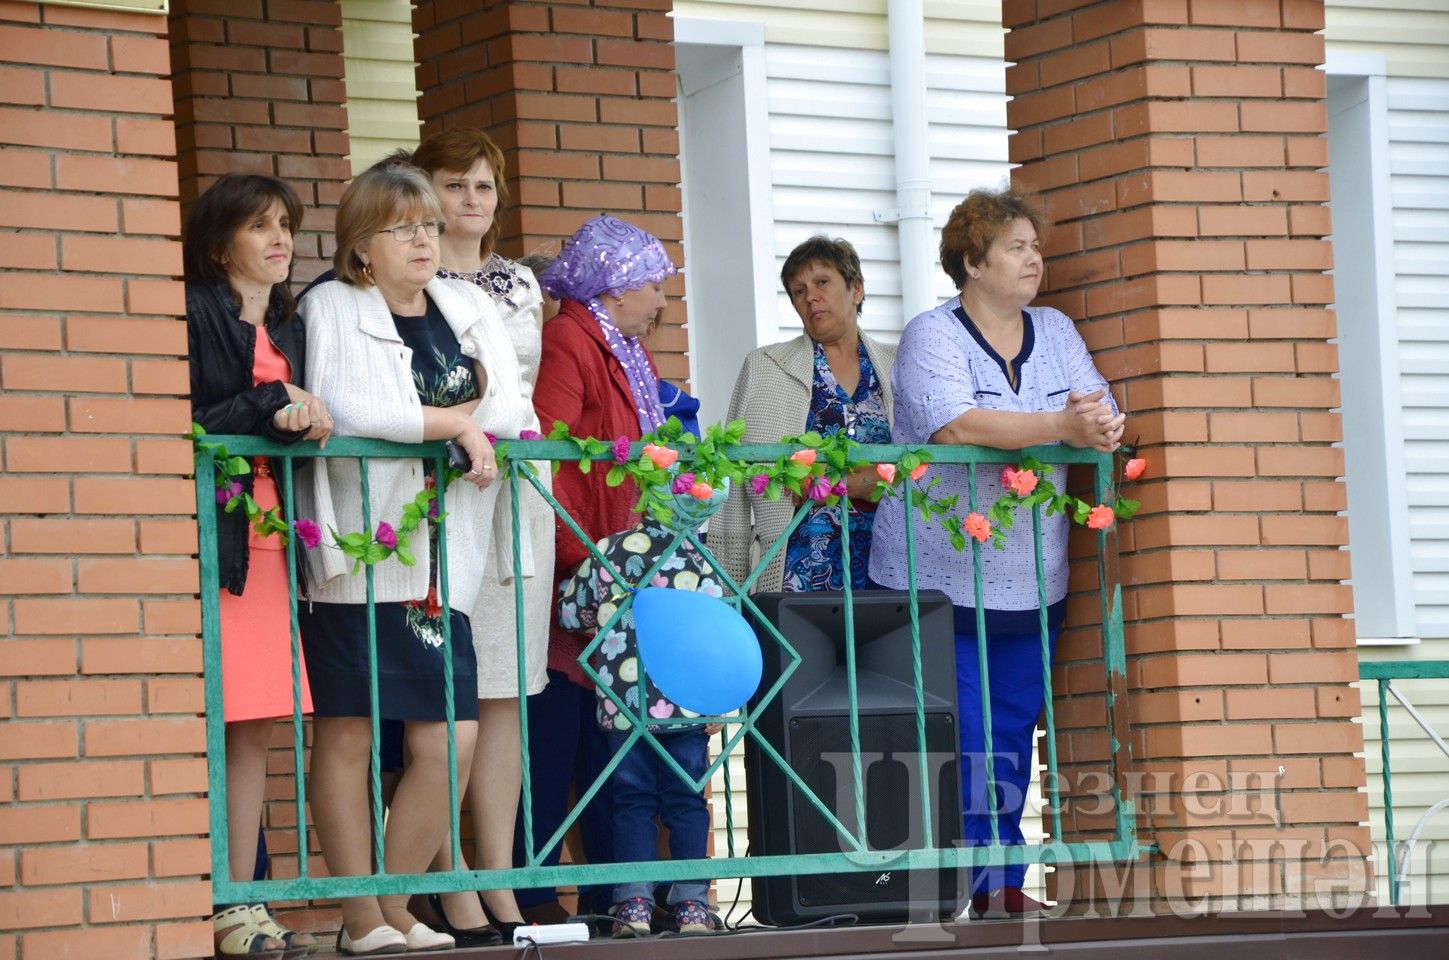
column 581, row 383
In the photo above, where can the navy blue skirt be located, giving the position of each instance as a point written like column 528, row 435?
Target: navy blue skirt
column 409, row 662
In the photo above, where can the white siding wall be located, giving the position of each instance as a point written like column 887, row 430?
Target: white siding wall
column 832, row 157
column 1420, row 778
column 1413, row 34
column 952, row 26
column 1419, row 179
column 382, row 107
column 1419, row 187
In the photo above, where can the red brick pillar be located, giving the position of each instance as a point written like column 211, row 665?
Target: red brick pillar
column 581, row 99
column 259, row 89
column 1181, row 146
column 103, row 815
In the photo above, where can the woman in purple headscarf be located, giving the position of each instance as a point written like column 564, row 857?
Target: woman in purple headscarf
column 597, row 377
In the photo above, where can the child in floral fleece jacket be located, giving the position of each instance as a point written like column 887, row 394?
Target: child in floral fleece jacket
column 644, row 786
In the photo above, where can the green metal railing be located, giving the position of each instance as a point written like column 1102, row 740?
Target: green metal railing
column 1384, row 673
column 855, row 855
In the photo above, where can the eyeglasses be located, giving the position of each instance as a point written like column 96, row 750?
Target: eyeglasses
column 407, row 232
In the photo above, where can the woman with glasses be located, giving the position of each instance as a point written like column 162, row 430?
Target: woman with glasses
column 398, row 354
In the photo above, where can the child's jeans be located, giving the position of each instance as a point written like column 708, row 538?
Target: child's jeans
column 645, row 787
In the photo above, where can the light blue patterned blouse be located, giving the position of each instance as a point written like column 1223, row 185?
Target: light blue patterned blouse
column 944, row 368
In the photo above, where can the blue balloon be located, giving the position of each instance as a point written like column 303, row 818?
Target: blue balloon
column 697, row 649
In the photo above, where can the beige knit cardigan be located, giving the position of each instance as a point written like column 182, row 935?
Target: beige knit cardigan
column 772, row 396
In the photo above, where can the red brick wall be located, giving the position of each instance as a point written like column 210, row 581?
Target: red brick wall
column 1181, row 146
column 103, row 817
column 580, row 96
column 259, row 89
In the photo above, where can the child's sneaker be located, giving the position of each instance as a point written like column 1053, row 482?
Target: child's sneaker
column 633, row 916
column 693, row 916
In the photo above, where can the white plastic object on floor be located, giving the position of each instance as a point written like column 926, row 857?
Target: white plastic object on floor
column 551, row 933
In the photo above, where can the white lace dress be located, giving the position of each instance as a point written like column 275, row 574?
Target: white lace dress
column 516, row 293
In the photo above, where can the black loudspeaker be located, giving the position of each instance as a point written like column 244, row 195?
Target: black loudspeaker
column 809, row 724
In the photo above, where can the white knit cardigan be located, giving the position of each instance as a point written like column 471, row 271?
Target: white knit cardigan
column 358, row 364
column 772, row 396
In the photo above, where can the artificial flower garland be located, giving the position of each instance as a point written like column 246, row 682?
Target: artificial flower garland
column 674, row 462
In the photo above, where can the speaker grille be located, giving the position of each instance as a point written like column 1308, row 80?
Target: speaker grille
column 819, row 750
column 809, row 724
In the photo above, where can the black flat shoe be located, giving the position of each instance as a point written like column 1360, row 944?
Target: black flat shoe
column 484, row 936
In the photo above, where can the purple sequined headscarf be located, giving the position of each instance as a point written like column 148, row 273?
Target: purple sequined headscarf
column 607, row 255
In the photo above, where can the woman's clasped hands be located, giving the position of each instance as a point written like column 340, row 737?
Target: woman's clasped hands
column 306, row 414
column 1089, row 421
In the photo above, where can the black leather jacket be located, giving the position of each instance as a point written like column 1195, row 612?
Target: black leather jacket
column 223, row 400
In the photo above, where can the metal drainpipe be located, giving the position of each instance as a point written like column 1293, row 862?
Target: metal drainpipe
column 913, row 174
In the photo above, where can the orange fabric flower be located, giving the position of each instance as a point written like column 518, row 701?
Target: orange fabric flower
column 886, row 471
column 1022, row 482
column 806, row 456
column 978, row 526
column 701, row 490
column 1134, row 468
column 1101, row 517
column 663, row 457
column 919, row 472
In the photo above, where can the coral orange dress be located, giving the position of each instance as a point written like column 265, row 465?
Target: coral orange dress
column 256, row 627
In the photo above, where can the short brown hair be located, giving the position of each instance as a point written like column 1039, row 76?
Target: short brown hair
column 456, row 150
column 976, row 221
column 837, row 253
column 372, row 202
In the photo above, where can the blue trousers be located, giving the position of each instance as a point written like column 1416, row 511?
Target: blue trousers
column 646, row 787
column 566, row 750
column 1017, row 692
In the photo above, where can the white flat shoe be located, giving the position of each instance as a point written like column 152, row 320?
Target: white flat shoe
column 423, row 937
column 382, row 940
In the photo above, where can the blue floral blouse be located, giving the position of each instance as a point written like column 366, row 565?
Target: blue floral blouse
column 812, row 557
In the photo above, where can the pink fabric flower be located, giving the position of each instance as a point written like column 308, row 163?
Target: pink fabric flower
column 1134, row 468
column 386, row 535
column 621, row 451
column 978, row 527
column 818, row 489
column 886, row 471
column 840, row 488
column 1100, row 517
column 492, row 438
column 225, row 494
column 682, row 483
column 530, row 435
column 758, row 483
column 308, row 532
column 1022, row 482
